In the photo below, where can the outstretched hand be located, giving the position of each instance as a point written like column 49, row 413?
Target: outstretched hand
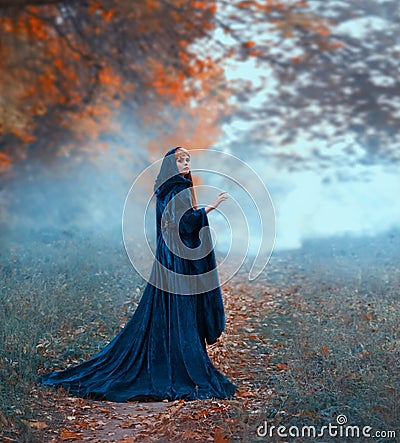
column 222, row 196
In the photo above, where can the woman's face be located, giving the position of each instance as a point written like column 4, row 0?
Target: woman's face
column 183, row 162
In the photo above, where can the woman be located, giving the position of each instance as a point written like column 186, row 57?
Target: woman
column 161, row 352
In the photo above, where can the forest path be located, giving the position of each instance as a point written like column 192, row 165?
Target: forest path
column 313, row 338
column 240, row 353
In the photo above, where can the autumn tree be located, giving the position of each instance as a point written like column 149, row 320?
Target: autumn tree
column 66, row 66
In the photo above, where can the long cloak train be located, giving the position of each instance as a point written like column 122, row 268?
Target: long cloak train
column 161, row 352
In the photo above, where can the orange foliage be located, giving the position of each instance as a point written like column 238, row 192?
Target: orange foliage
column 58, row 63
column 94, row 7
column 108, row 77
column 61, row 78
column 195, row 128
column 46, row 81
column 108, row 15
column 37, row 28
column 6, row 24
column 24, row 136
column 5, row 162
column 322, row 30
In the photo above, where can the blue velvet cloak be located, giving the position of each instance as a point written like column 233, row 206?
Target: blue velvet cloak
column 161, row 352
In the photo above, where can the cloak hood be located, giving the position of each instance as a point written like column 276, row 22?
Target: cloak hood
column 169, row 177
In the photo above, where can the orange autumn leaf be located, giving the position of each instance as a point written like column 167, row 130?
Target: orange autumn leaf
column 323, row 30
column 249, row 44
column 37, row 28
column 108, row 15
column 220, row 436
column 58, row 63
column 325, row 350
column 24, row 136
column 66, row 435
column 94, row 7
column 255, row 53
column 282, row 366
column 108, row 77
column 246, row 4
column 6, row 24
column 153, row 4
column 37, row 424
column 337, row 45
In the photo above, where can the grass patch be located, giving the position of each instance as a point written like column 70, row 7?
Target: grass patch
column 330, row 326
column 316, row 336
column 64, row 296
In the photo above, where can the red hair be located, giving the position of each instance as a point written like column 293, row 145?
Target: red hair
column 178, row 151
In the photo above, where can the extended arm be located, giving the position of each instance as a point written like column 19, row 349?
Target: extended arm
column 220, row 198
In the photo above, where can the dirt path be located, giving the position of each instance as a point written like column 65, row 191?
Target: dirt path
column 315, row 337
column 240, row 354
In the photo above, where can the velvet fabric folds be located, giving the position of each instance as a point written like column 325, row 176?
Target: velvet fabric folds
column 161, row 352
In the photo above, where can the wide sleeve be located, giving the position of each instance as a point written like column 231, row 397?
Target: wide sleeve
column 190, row 220
column 193, row 220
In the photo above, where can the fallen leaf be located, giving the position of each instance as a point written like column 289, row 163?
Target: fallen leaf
column 69, row 435
column 189, row 434
column 247, row 394
column 220, row 436
column 281, row 366
column 325, row 350
column 3, row 419
column 38, row 424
